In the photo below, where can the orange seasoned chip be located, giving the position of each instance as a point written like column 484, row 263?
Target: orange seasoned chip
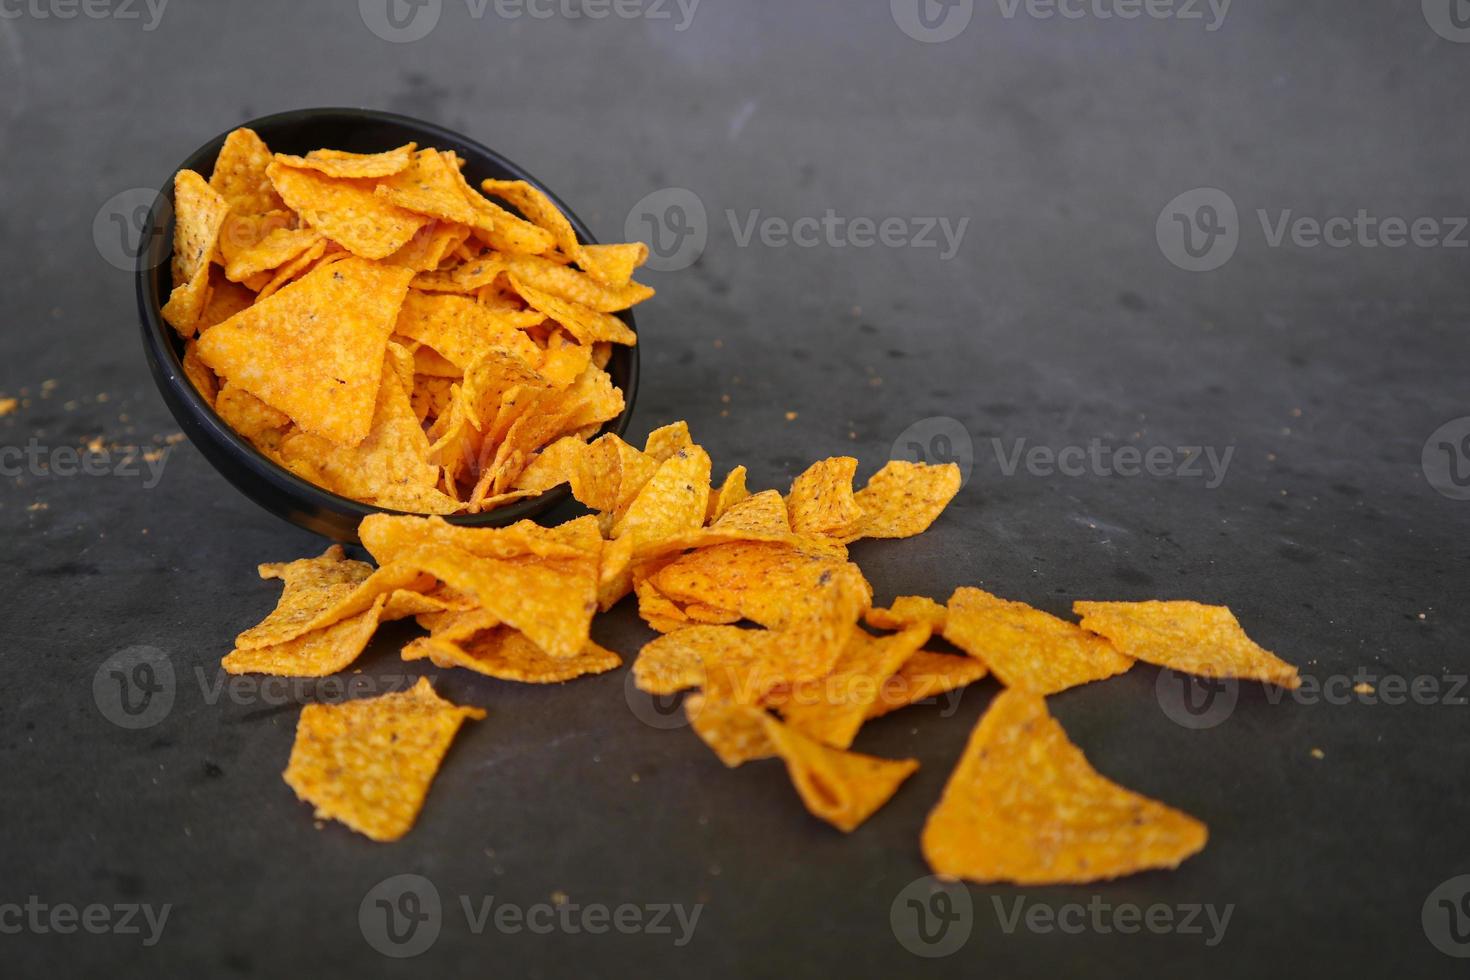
column 842, row 788
column 251, row 417
column 731, row 492
column 292, row 270
column 923, row 676
column 429, row 246
column 312, row 585
column 346, row 211
column 225, row 300
column 1187, row 637
column 389, row 539
column 831, row 709
column 199, row 374
column 242, row 232
column 506, row 654
column 906, row 611
column 460, row 329
column 903, row 499
column 276, row 248
column 735, row 732
column 821, row 499
column 610, row 264
column 566, row 283
column 318, row 653
column 1026, row 648
column 340, row 163
column 728, row 657
column 615, row 264
column 239, row 174
column 369, row 763
column 1024, row 806
column 427, row 186
column 315, row 349
column 665, row 441
column 199, row 213
column 675, row 500
column 587, row 325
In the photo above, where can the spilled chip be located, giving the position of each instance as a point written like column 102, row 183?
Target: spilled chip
column 368, row 763
column 1024, row 806
column 1188, row 637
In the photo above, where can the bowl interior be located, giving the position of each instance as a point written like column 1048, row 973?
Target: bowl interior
column 298, row 132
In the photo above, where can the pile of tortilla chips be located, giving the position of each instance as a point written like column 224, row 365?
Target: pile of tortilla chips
column 386, row 331
column 760, row 610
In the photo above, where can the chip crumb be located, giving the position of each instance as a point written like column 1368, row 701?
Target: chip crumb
column 8, row 405
column 559, row 898
column 635, row 777
column 38, row 505
column 791, row 416
column 1318, row 754
column 1363, row 687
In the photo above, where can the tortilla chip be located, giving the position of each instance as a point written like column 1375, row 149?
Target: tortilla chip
column 903, row 499
column 312, row 585
column 369, row 763
column 340, row 163
column 1188, row 637
column 735, row 732
column 567, row 284
column 731, row 492
column 239, row 174
column 315, row 349
column 276, row 248
column 199, row 374
column 346, row 211
column 842, row 788
column 1026, row 648
column 1024, row 806
column 821, row 501
column 667, row 440
column 588, row 326
column 506, row 654
column 292, row 270
column 428, row 187
column 318, row 653
column 741, row 662
column 923, row 676
column 614, row 264
column 459, row 329
column 225, row 300
column 906, row 611
column 199, row 213
column 674, row 500
column 833, row 708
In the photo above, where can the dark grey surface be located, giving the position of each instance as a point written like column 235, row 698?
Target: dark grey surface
column 1059, row 321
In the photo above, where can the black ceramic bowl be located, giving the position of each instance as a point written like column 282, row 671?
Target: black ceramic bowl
column 269, row 485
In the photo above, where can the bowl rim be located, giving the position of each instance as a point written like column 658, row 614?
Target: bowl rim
column 160, row 339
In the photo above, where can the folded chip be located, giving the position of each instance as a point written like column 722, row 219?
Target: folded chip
column 1024, row 806
column 369, row 763
column 842, row 788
